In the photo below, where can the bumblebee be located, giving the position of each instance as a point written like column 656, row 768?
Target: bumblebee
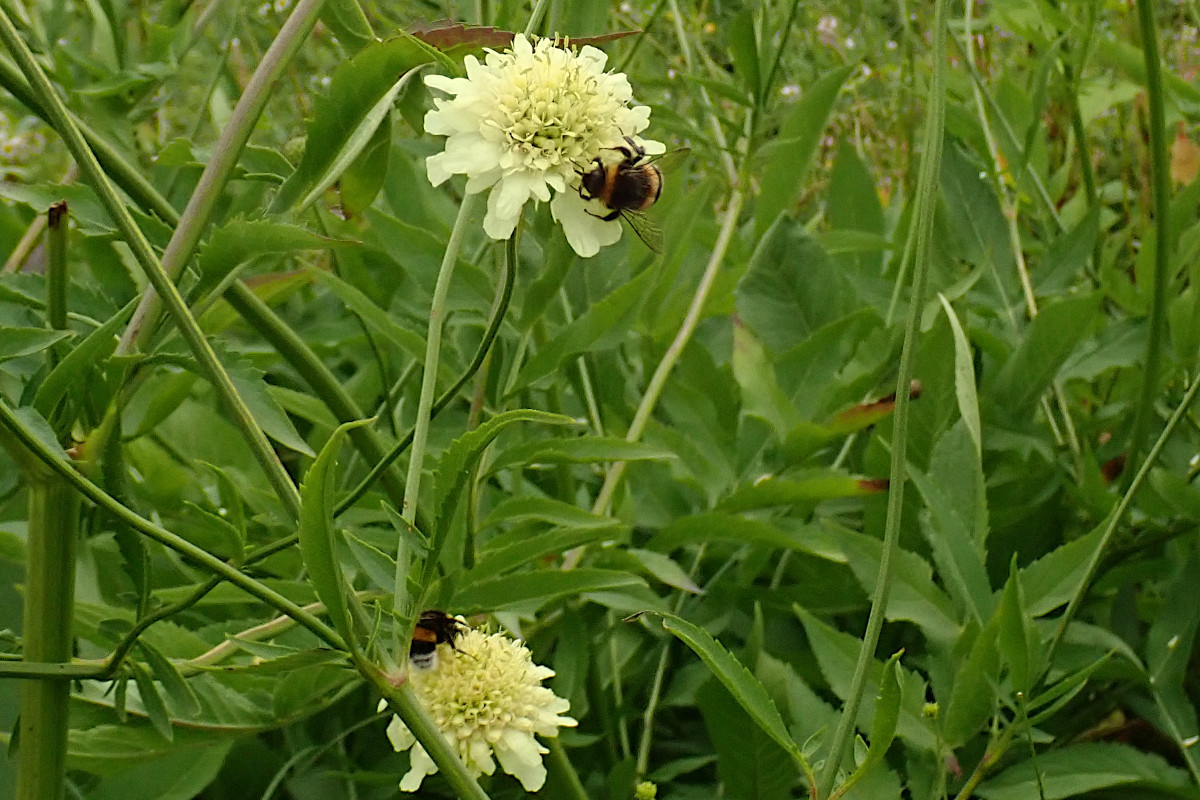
column 627, row 187
column 433, row 628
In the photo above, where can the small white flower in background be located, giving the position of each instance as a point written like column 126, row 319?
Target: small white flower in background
column 827, row 30
column 527, row 122
column 486, row 697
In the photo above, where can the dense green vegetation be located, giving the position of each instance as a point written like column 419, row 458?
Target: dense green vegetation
column 877, row 482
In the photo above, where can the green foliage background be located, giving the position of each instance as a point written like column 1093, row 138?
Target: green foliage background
column 1046, row 613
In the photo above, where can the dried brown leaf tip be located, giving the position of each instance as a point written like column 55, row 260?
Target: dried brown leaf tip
column 873, row 484
column 445, row 34
column 865, row 414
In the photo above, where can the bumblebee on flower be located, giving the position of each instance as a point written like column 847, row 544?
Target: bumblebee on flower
column 485, row 695
column 529, row 122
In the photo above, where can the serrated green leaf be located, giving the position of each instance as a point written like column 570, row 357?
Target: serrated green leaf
column 494, row 560
column 1077, row 769
column 749, row 692
column 363, row 179
column 180, row 774
column 152, row 701
column 786, row 162
column 837, row 653
column 1017, row 636
column 93, row 350
column 240, row 240
column 250, row 385
column 544, row 509
column 374, row 316
column 361, row 93
column 541, row 585
column 964, row 377
column 1050, row 581
column 316, row 532
column 883, row 725
column 577, row 450
column 914, row 594
column 803, row 491
column 813, row 539
column 18, row 342
column 177, row 689
column 743, row 46
column 973, row 696
column 457, row 462
column 604, row 324
column 1049, row 340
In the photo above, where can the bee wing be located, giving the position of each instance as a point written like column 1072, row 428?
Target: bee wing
column 670, row 159
column 646, row 230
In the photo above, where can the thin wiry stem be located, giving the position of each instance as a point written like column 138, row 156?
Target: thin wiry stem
column 926, row 200
column 499, row 309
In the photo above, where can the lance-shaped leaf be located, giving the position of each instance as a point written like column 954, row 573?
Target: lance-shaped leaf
column 883, row 724
column 316, row 532
column 361, row 93
column 745, row 688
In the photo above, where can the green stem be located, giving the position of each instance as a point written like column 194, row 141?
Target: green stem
column 49, row 594
column 56, row 266
column 60, row 466
column 125, row 174
column 433, row 351
column 1160, row 206
column 228, row 149
column 535, row 19
column 926, row 199
column 499, row 309
column 333, row 394
column 1118, row 514
column 560, row 760
column 405, row 703
column 144, row 254
column 658, row 380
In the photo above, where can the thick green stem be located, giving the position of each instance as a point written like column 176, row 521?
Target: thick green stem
column 226, row 152
column 144, row 254
column 125, row 174
column 926, row 200
column 433, row 351
column 56, row 266
column 49, row 594
column 1160, row 166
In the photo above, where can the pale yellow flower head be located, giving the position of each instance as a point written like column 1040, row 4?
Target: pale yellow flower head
column 526, row 122
column 486, row 697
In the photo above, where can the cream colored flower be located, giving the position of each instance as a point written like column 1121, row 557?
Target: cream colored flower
column 486, row 697
column 527, row 122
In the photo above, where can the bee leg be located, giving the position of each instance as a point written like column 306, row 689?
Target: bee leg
column 605, row 217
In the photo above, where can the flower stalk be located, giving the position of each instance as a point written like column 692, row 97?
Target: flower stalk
column 467, row 213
